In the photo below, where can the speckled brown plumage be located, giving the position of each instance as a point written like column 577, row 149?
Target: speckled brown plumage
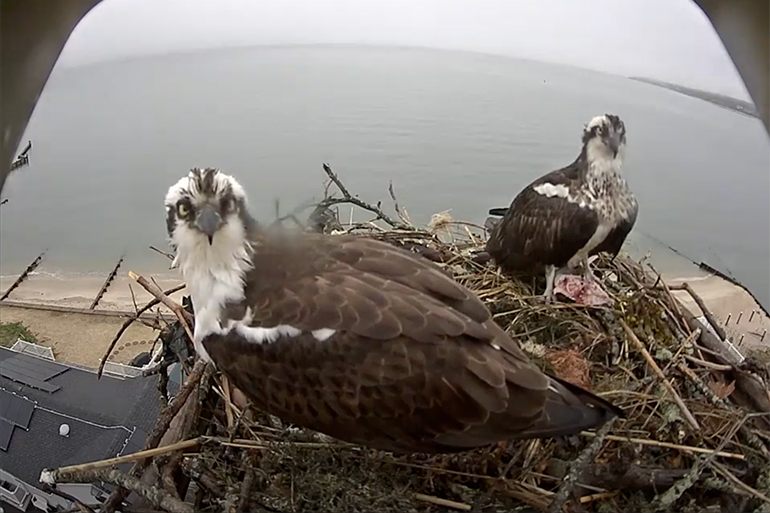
column 537, row 230
column 416, row 363
column 534, row 232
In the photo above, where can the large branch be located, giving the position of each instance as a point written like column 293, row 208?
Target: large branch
column 119, row 495
column 702, row 305
column 578, row 466
column 156, row 496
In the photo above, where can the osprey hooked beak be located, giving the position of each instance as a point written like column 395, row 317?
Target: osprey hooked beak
column 208, row 221
column 613, row 142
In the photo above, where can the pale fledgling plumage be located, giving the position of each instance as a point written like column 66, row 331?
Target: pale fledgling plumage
column 561, row 219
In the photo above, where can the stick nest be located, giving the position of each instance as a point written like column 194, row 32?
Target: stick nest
column 694, row 437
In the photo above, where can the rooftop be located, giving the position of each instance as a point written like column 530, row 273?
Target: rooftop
column 105, row 417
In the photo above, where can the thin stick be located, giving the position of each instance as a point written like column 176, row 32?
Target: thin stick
column 442, row 502
column 246, row 485
column 228, row 401
column 401, row 214
column 136, row 456
column 183, row 315
column 585, row 499
column 130, row 321
column 165, row 254
column 106, row 284
column 707, row 364
column 349, row 198
column 654, row 366
column 655, row 443
column 737, row 482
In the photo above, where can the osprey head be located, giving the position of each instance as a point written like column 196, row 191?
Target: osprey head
column 203, row 206
column 605, row 137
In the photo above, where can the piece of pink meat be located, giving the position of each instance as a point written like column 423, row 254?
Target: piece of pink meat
column 580, row 290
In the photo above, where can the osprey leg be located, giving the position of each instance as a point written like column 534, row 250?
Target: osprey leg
column 550, row 276
column 588, row 275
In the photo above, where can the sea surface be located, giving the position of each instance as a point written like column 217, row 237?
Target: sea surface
column 452, row 130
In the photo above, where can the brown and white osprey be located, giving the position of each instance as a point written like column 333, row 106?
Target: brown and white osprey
column 570, row 214
column 356, row 338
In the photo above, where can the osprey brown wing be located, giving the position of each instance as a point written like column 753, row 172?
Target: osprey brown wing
column 415, row 362
column 539, row 230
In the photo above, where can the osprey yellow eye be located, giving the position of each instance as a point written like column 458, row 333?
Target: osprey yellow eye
column 183, row 210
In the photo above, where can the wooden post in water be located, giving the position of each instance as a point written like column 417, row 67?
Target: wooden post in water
column 106, row 283
column 23, row 276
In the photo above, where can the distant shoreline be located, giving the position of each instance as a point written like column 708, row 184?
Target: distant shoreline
column 720, row 100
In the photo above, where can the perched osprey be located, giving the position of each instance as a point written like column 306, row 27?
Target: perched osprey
column 356, row 338
column 569, row 214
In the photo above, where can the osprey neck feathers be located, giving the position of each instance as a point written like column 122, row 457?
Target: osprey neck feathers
column 600, row 164
column 214, row 273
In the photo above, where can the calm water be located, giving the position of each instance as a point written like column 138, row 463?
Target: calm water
column 452, row 130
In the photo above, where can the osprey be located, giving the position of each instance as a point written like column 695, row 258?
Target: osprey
column 570, row 214
column 356, row 338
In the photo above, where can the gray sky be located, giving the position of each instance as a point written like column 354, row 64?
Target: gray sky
column 665, row 39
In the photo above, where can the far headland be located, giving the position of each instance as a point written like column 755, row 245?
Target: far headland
column 721, row 100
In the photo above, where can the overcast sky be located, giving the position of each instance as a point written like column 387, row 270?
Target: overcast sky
column 666, row 39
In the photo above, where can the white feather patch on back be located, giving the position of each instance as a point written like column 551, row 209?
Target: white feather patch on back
column 323, row 334
column 261, row 335
column 550, row 190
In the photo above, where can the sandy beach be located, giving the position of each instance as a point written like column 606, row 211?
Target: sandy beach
column 77, row 337
column 83, row 338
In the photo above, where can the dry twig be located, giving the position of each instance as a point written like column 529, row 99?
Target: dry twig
column 127, row 324
column 654, row 366
column 349, row 198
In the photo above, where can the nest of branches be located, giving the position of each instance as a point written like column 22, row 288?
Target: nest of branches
column 695, row 436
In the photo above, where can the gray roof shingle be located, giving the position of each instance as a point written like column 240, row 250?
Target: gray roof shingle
column 102, row 416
